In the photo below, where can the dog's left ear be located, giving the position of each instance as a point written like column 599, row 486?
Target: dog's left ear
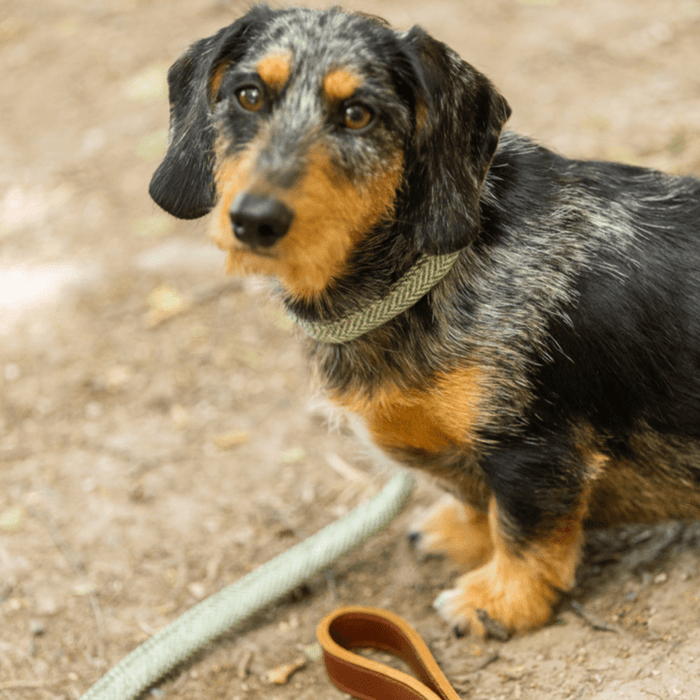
column 184, row 184
column 459, row 116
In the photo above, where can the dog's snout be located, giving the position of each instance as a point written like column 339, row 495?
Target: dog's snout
column 259, row 221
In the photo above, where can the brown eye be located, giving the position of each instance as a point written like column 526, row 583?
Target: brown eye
column 250, row 98
column 357, row 117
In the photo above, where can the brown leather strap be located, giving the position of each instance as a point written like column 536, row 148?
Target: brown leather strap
column 358, row 626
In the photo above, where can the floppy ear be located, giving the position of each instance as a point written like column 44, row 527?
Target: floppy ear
column 459, row 116
column 183, row 184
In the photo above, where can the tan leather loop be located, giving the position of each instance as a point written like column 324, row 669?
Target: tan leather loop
column 358, row 626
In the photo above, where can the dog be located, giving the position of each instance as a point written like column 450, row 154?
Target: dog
column 523, row 327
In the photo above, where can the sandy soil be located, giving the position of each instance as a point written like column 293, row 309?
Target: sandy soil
column 157, row 439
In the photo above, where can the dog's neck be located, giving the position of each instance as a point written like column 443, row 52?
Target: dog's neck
column 404, row 293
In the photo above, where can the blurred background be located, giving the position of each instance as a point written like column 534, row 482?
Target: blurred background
column 158, row 435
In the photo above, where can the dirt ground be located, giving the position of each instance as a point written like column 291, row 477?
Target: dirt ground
column 158, row 439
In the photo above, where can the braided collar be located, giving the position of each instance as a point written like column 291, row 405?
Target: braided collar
column 404, row 293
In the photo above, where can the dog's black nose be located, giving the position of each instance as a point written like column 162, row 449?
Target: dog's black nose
column 259, row 221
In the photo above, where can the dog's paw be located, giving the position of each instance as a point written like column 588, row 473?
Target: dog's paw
column 493, row 601
column 455, row 529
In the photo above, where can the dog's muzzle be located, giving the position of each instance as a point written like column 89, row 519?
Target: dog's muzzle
column 259, row 221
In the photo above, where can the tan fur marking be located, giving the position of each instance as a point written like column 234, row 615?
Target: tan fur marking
column 649, row 488
column 233, row 175
column 330, row 217
column 216, row 79
column 625, row 493
column 457, row 530
column 459, row 402
column 340, row 84
column 430, row 421
column 274, row 69
column 409, row 426
column 519, row 588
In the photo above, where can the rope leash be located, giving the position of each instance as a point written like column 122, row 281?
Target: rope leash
column 221, row 611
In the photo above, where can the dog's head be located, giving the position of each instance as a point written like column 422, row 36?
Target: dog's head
column 306, row 130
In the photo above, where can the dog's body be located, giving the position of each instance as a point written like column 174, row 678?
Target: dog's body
column 551, row 379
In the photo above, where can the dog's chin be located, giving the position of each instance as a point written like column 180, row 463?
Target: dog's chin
column 245, row 260
column 253, row 252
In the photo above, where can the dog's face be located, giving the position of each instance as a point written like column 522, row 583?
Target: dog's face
column 309, row 154
column 299, row 128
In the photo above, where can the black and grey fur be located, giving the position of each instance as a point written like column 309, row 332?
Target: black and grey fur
column 577, row 293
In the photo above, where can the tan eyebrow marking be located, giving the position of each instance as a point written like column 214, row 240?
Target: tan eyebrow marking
column 275, row 68
column 340, row 83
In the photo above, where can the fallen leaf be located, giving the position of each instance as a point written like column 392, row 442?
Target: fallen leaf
column 293, row 454
column 232, row 439
column 12, row 519
column 281, row 674
column 165, row 302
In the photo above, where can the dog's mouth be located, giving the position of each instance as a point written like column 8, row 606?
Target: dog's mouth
column 256, row 250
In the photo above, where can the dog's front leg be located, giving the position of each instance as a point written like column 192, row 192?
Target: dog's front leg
column 520, row 584
column 535, row 523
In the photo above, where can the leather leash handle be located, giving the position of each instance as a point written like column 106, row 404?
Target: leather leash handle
column 359, row 626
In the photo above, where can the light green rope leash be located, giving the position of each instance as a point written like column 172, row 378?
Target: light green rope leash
column 422, row 277
column 218, row 613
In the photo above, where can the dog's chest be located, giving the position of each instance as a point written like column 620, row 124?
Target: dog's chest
column 427, row 422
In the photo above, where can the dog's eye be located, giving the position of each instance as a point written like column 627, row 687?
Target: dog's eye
column 250, row 98
column 357, row 116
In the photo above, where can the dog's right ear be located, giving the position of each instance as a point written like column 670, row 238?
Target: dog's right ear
column 184, row 184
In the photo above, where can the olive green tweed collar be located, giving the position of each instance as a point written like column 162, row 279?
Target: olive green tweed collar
column 422, row 277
